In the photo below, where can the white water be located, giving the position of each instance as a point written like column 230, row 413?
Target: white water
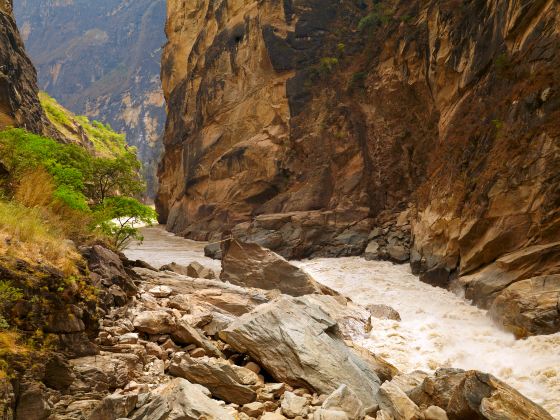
column 438, row 329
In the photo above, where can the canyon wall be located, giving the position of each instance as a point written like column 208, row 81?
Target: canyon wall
column 102, row 59
column 19, row 104
column 309, row 126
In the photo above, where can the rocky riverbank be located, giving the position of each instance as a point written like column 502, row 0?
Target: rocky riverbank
column 171, row 346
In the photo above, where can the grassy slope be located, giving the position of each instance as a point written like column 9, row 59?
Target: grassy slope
column 93, row 135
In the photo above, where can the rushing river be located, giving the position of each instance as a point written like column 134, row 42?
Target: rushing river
column 437, row 329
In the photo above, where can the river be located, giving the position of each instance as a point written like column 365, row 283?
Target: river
column 437, row 328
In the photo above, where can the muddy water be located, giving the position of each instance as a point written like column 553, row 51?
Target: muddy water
column 437, row 329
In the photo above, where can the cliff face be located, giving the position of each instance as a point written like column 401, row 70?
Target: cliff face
column 304, row 124
column 19, row 104
column 102, row 59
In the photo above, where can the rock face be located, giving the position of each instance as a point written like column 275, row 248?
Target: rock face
column 298, row 343
column 124, row 41
column 19, row 104
column 303, row 126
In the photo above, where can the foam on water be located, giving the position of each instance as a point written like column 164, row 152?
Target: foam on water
column 440, row 329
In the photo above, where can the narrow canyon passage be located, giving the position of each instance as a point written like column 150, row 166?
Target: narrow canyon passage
column 437, row 328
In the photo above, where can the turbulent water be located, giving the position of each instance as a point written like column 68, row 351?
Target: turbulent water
column 437, row 329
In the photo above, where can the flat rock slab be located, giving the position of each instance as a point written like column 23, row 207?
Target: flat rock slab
column 226, row 381
column 179, row 400
column 299, row 343
column 251, row 265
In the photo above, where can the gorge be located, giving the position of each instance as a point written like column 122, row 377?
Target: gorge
column 359, row 207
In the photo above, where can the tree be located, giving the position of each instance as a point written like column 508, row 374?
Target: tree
column 114, row 176
column 120, row 218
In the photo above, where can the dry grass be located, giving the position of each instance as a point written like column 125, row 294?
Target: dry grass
column 26, row 234
column 35, row 188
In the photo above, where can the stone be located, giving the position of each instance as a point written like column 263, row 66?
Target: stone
column 175, row 268
column 394, row 401
column 254, row 409
column 180, row 302
column 383, row 312
column 213, row 250
column 298, row 343
column 32, row 402
column 343, row 399
column 323, row 414
column 186, row 334
column 155, row 322
column 161, row 291
column 106, row 371
column 179, row 400
column 293, row 405
column 434, row 412
column 252, row 366
column 225, row 381
column 398, row 253
column 272, row 416
column 250, row 265
column 372, row 251
column 128, row 338
column 58, row 373
column 198, row 352
column 197, row 270
column 473, row 394
column 529, row 307
column 114, row 406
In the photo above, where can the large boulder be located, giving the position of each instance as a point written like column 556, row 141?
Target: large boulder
column 299, row 343
column 250, row 265
column 529, row 307
column 474, row 395
column 226, row 381
column 179, row 400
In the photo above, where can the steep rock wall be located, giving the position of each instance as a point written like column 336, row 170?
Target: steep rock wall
column 19, row 104
column 302, row 125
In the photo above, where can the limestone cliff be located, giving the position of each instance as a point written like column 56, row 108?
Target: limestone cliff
column 304, row 124
column 19, row 104
column 102, row 60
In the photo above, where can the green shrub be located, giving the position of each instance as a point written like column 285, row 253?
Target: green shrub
column 327, row 64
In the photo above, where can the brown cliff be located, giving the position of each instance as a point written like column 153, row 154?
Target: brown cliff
column 304, row 124
column 19, row 104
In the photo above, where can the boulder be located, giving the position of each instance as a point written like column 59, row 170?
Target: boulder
column 179, row 400
column 294, row 406
column 477, row 395
column 160, row 291
column 372, row 251
column 187, row 334
column 383, row 312
column 198, row 271
column 394, row 401
column 213, row 250
column 398, row 253
column 32, row 402
column 298, row 343
column 58, row 373
column 225, row 381
column 106, row 371
column 343, row 399
column 529, row 307
column 114, row 406
column 250, row 265
column 108, row 267
column 175, row 268
column 155, row 322
column 434, row 412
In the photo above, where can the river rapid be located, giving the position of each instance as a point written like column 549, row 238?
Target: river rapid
column 437, row 327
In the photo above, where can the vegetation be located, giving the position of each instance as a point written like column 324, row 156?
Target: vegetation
column 102, row 139
column 379, row 16
column 68, row 186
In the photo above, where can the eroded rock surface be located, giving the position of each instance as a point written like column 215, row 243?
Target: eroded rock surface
column 352, row 114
